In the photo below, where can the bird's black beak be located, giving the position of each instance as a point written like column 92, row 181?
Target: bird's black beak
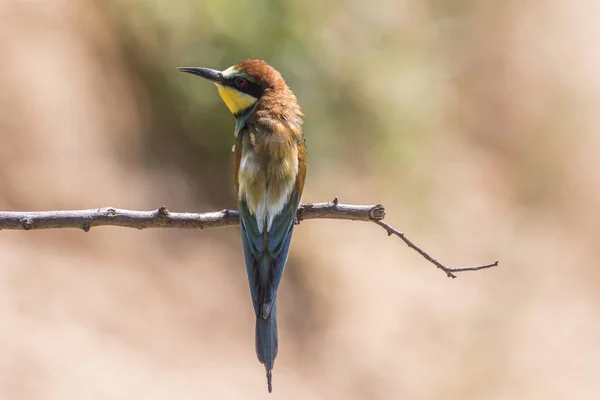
column 207, row 73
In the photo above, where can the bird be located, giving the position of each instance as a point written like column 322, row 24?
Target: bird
column 269, row 171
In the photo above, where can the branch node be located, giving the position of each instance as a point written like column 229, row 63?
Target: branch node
column 27, row 224
column 377, row 213
column 335, row 201
column 86, row 226
column 162, row 215
column 299, row 215
column 111, row 212
column 162, row 211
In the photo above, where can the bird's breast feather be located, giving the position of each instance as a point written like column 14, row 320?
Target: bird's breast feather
column 266, row 186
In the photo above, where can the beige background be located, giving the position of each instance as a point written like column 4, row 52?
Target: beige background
column 475, row 123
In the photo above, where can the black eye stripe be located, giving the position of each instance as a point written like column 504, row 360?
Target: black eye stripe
column 251, row 88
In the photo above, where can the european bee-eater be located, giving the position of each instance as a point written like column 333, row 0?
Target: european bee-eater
column 269, row 169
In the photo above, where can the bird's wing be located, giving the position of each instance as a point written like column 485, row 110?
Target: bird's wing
column 278, row 246
column 280, row 234
column 252, row 239
column 266, row 253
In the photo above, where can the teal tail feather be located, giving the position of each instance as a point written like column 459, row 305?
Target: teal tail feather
column 266, row 341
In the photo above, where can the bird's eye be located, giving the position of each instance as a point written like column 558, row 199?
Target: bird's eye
column 241, row 82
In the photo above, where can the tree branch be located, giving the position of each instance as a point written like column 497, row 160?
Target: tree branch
column 162, row 218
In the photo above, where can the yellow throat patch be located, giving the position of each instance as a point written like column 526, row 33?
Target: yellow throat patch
column 235, row 101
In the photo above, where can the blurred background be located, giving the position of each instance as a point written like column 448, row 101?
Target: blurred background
column 474, row 123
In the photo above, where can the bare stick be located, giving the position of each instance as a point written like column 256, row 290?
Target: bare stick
column 449, row 271
column 162, row 218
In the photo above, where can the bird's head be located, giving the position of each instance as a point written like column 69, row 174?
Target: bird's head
column 242, row 85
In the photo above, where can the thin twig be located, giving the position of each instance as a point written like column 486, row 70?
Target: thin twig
column 163, row 218
column 449, row 271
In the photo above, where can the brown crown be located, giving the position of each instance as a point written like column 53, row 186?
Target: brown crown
column 265, row 75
